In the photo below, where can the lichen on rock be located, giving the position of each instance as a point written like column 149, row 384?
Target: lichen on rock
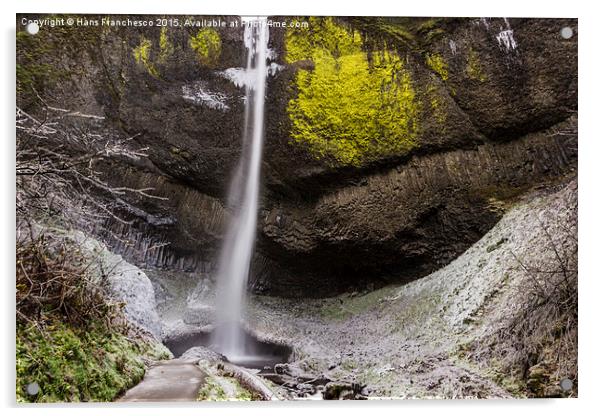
column 166, row 48
column 208, row 46
column 126, row 282
column 438, row 65
column 474, row 69
column 349, row 111
column 142, row 54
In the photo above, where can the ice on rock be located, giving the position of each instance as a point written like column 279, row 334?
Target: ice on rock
column 198, row 93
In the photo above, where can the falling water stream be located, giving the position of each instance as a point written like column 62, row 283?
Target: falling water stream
column 234, row 263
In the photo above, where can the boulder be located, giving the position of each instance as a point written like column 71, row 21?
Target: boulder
column 202, row 353
column 341, row 390
column 126, row 282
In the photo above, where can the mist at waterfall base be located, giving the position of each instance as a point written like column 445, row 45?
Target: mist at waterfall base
column 229, row 338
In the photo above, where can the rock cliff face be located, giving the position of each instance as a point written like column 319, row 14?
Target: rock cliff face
column 412, row 219
column 474, row 328
column 430, row 128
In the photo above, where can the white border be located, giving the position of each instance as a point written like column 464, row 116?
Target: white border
column 590, row 153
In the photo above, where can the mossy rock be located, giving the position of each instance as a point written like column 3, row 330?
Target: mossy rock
column 438, row 65
column 348, row 110
column 142, row 54
column 73, row 364
column 208, row 46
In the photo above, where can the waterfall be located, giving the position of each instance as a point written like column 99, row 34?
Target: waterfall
column 235, row 257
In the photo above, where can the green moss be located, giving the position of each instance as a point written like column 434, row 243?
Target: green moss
column 433, row 36
column 349, row 111
column 473, row 67
column 510, row 381
column 420, row 310
column 320, row 34
column 35, row 70
column 437, row 64
column 166, row 48
column 208, row 46
column 429, row 25
column 142, row 55
column 347, row 306
column 40, row 68
column 440, row 115
column 437, row 105
column 243, row 394
column 430, row 31
column 390, row 32
column 213, row 390
column 349, row 365
column 78, row 364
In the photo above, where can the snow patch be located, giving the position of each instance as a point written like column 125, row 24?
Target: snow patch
column 506, row 37
column 274, row 68
column 197, row 93
column 238, row 76
column 453, row 47
column 242, row 77
column 272, row 54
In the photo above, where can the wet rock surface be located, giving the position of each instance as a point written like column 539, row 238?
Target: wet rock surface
column 506, row 87
column 405, row 222
column 398, row 277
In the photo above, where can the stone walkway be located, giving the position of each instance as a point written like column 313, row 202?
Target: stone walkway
column 171, row 381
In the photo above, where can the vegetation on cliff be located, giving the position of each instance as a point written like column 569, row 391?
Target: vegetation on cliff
column 142, row 55
column 349, row 111
column 73, row 340
column 438, row 65
column 208, row 46
column 78, row 363
column 482, row 126
column 474, row 68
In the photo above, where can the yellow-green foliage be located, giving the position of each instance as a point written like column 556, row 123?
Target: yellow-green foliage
column 437, row 105
column 213, row 390
column 438, row 64
column 396, row 32
column 208, row 46
column 77, row 364
column 473, row 67
column 321, row 34
column 165, row 46
column 349, row 111
column 142, row 55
